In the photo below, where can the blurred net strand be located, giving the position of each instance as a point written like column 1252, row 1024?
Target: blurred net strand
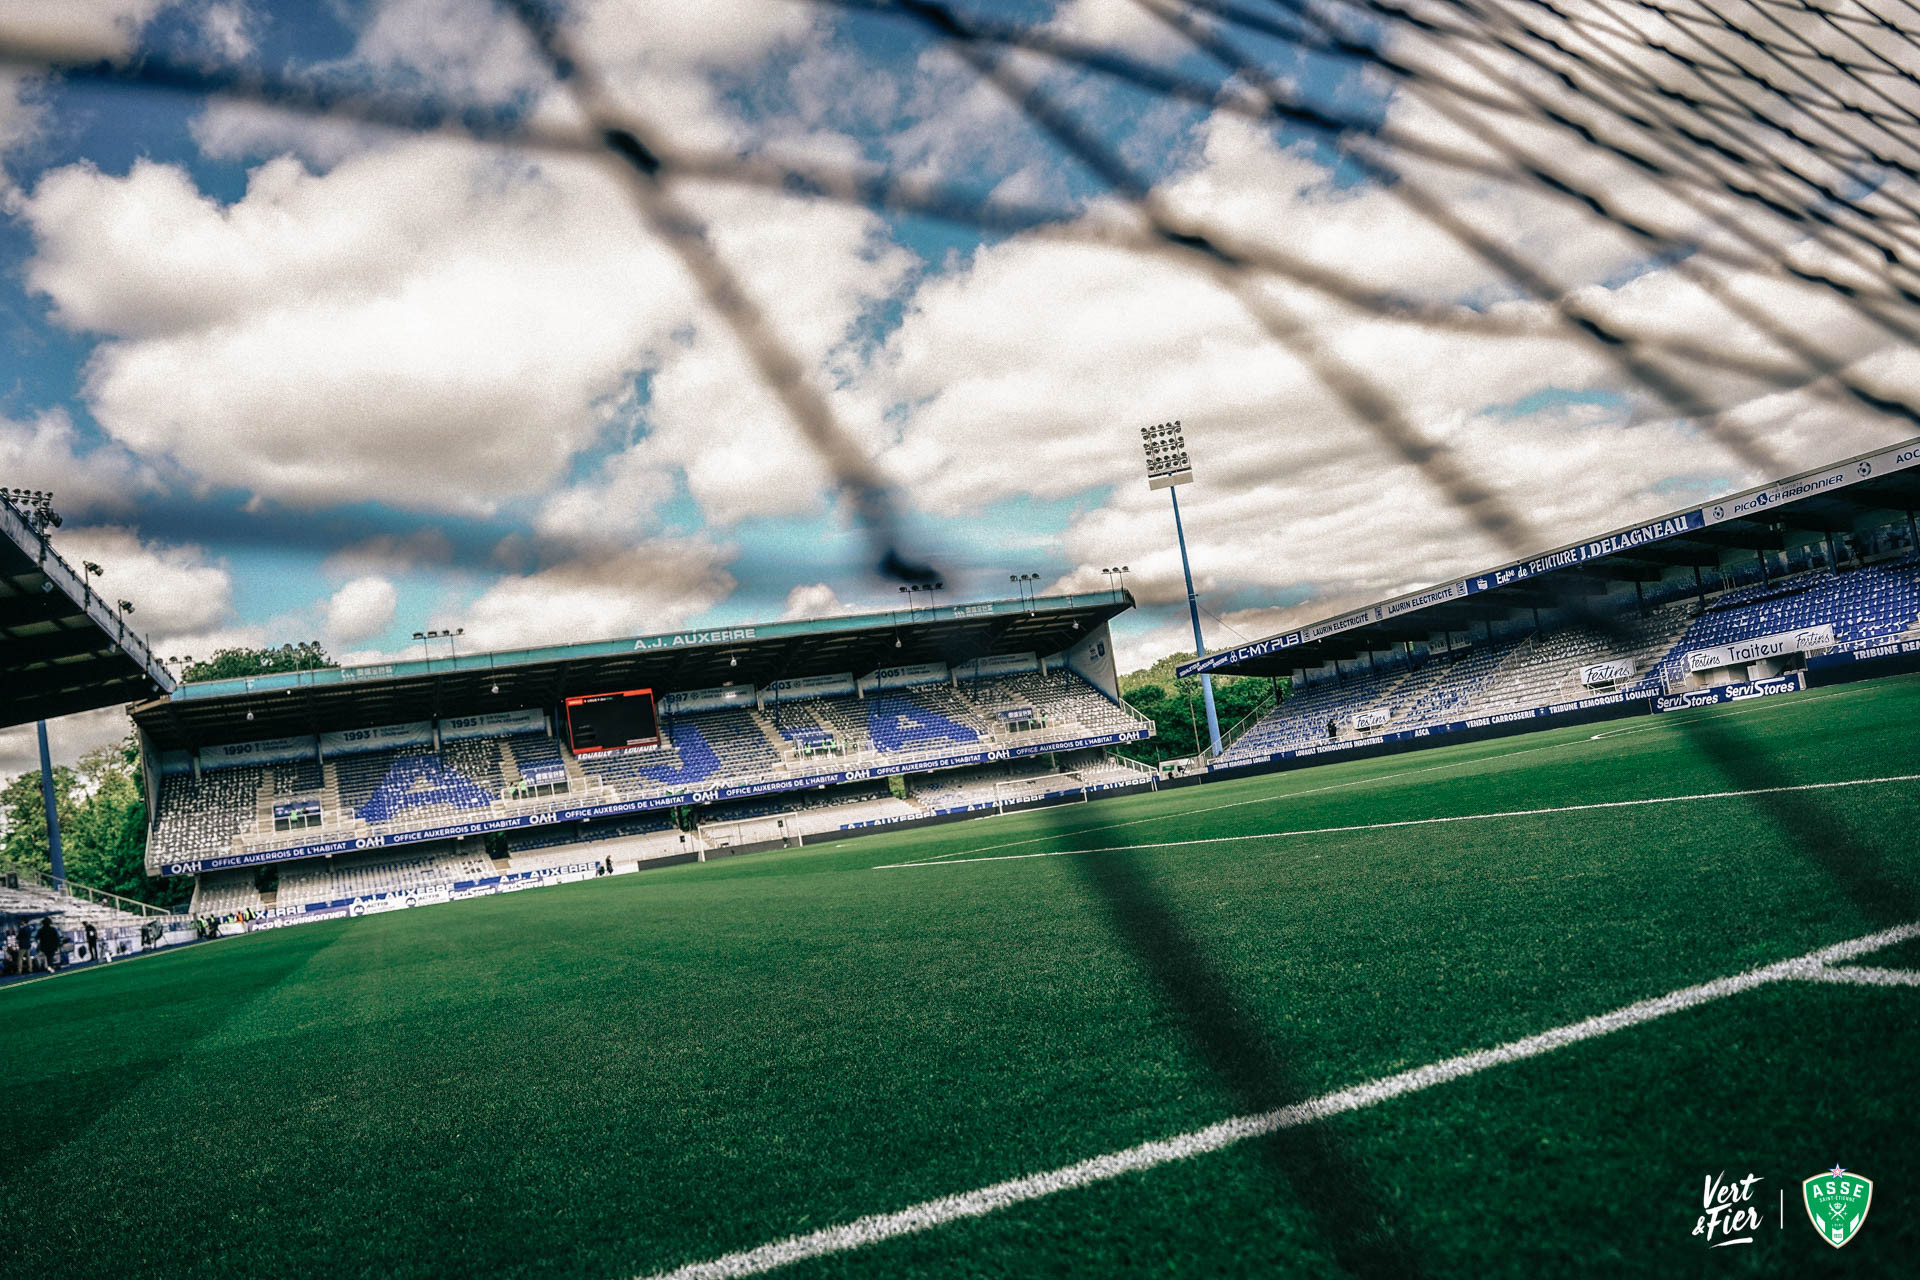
column 1286, row 108
column 1803, row 49
column 871, row 187
column 1822, row 233
column 1822, row 364
column 1370, row 406
column 1457, row 36
column 1680, row 140
column 1624, row 77
column 866, row 186
column 1813, row 228
column 1847, row 160
column 1865, row 75
column 1629, row 354
column 874, row 188
column 1817, row 114
column 674, row 224
column 1812, row 369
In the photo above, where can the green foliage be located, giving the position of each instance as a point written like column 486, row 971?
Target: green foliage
column 231, row 664
column 1177, row 706
column 103, row 826
column 25, row 817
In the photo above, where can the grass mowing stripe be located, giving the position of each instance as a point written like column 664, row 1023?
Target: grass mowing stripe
column 1148, row 1155
column 1271, row 799
column 1669, row 721
column 1415, row 822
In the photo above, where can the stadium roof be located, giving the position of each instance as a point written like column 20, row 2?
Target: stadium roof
column 304, row 702
column 1831, row 499
column 62, row 648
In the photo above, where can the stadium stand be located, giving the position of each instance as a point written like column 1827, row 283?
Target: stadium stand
column 391, row 799
column 370, row 793
column 1542, row 668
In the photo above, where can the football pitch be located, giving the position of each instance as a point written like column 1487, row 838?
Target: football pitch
column 1501, row 1008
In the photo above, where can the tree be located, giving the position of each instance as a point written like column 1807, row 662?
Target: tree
column 25, row 845
column 106, row 844
column 103, row 826
column 1175, row 704
column 236, row 663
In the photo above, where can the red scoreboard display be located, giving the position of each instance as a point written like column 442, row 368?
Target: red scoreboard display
column 610, row 721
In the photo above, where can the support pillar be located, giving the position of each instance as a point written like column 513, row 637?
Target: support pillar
column 56, row 863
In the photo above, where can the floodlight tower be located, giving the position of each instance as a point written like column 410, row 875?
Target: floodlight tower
column 1168, row 468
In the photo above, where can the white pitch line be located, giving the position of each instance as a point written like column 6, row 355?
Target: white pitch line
column 1866, row 976
column 1416, row 822
column 1266, row 799
column 877, row 1227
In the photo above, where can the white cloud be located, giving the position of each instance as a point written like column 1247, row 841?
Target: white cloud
column 87, row 28
column 362, row 608
column 68, row 738
column 178, row 592
column 435, row 326
column 46, row 452
column 656, row 586
column 228, row 27
column 812, row 600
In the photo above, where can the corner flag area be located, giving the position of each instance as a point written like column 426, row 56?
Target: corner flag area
column 1501, row 1008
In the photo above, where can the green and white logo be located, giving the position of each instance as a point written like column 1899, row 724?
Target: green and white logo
column 1837, row 1201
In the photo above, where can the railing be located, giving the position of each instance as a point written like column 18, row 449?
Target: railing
column 71, row 889
column 1235, row 731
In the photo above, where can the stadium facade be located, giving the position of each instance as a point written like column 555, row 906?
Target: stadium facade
column 1809, row 579
column 309, row 794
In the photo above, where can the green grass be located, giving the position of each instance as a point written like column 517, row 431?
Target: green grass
column 605, row 1079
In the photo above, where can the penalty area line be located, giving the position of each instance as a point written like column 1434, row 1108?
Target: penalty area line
column 1415, row 822
column 879, row 1227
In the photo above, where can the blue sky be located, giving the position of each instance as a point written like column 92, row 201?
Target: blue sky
column 305, row 380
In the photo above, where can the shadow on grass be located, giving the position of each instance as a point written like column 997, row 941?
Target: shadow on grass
column 1809, row 822
column 1307, row 1162
column 75, row 1057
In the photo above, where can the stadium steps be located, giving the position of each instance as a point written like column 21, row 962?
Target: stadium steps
column 779, row 745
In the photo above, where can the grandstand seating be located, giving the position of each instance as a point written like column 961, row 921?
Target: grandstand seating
column 1019, row 781
column 1860, row 604
column 1543, row 668
column 366, row 794
column 203, row 815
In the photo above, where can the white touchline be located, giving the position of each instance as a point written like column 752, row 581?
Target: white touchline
column 1266, row 799
column 1001, row 1195
column 1413, row 822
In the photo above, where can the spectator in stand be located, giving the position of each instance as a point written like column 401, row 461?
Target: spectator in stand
column 1333, row 730
column 50, row 942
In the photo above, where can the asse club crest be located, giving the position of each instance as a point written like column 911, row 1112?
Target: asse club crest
column 1837, row 1201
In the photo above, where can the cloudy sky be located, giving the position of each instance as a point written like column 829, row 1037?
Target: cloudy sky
column 295, row 379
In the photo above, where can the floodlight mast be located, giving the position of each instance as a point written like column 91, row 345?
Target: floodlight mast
column 1168, row 468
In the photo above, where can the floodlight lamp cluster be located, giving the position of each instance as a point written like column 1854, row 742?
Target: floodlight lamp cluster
column 1166, row 449
column 36, row 505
